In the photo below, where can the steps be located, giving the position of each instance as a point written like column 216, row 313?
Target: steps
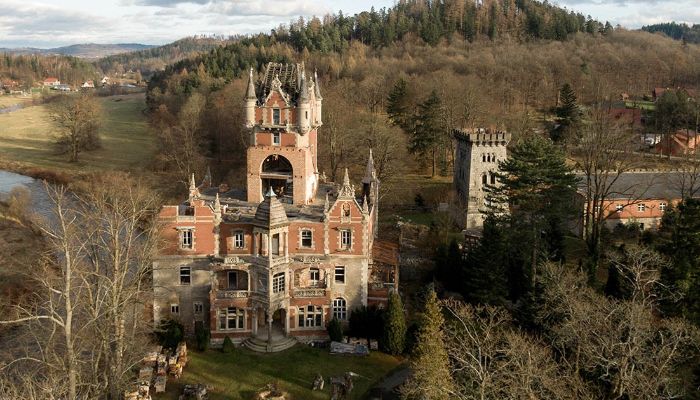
column 261, row 346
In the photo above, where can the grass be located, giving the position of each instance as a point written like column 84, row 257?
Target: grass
column 240, row 374
column 10, row 100
column 641, row 104
column 26, row 138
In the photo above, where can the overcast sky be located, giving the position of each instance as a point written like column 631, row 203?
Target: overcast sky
column 52, row 23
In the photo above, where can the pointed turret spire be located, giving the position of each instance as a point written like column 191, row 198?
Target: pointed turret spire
column 370, row 171
column 317, row 86
column 194, row 192
column 217, row 203
column 365, row 208
column 250, row 93
column 326, row 205
column 346, row 190
column 304, row 95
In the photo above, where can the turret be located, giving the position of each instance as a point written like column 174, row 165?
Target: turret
column 304, row 105
column 370, row 181
column 319, row 100
column 250, row 100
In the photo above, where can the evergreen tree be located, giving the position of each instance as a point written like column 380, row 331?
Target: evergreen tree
column 679, row 235
column 393, row 340
column 429, row 129
column 398, row 106
column 430, row 364
column 532, row 201
column 366, row 322
column 448, row 264
column 568, row 112
column 335, row 330
column 486, row 268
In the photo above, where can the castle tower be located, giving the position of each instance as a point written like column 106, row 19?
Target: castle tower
column 284, row 133
column 370, row 189
column 477, row 155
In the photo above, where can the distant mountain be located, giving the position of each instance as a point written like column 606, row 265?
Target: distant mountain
column 86, row 50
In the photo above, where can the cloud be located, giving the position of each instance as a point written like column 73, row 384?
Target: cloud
column 166, row 3
column 277, row 8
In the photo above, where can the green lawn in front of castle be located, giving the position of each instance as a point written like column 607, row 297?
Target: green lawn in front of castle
column 238, row 375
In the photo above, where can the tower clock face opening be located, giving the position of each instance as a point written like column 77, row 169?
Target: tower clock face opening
column 277, row 173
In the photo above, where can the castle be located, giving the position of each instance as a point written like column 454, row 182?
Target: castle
column 273, row 263
column 477, row 155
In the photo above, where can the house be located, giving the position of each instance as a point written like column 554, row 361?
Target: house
column 682, row 142
column 659, row 91
column 641, row 197
column 270, row 264
column 104, row 81
column 61, row 88
column 51, row 81
column 88, row 84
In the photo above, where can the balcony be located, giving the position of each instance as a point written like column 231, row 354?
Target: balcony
column 309, row 292
column 232, row 294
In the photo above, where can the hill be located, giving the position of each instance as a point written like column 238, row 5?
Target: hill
column 689, row 34
column 86, row 50
column 157, row 58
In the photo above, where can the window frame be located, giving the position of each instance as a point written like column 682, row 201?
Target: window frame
column 196, row 305
column 175, row 309
column 341, row 269
column 276, row 116
column 340, row 308
column 314, row 271
column 186, row 244
column 641, row 207
column 276, row 138
column 663, row 206
column 188, row 275
column 310, row 317
column 310, row 239
column 279, row 282
column 346, row 239
column 619, row 208
column 228, row 279
column 228, row 314
column 239, row 240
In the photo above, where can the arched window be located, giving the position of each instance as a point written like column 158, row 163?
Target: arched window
column 493, row 179
column 340, row 309
column 484, row 179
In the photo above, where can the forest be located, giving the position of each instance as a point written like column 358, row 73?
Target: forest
column 684, row 32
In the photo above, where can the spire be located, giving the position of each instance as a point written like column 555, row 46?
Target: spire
column 370, row 171
column 194, row 192
column 346, row 190
column 207, row 181
column 250, row 93
column 365, row 208
column 326, row 205
column 217, row 203
column 304, row 95
column 317, row 86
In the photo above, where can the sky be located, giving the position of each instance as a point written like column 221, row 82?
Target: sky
column 53, row 23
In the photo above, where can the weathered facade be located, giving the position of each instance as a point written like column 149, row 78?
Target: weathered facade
column 289, row 253
column 477, row 154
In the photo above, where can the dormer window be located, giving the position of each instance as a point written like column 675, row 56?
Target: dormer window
column 275, row 116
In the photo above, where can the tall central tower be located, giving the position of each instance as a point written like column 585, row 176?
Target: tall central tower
column 283, row 113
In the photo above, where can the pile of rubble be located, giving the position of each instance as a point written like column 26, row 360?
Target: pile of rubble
column 155, row 368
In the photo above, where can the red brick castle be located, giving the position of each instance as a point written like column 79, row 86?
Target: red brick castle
column 272, row 264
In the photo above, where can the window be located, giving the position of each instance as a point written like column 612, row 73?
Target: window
column 306, row 238
column 276, row 138
column 278, row 283
column 641, row 207
column 483, row 158
column 345, row 239
column 596, row 210
column 484, row 179
column 186, row 239
column 346, row 210
column 310, row 316
column 493, row 179
column 238, row 240
column 233, row 280
column 339, row 274
column 662, row 206
column 198, row 307
column 339, row 309
column 314, row 276
column 175, row 309
column 185, row 275
column 306, row 115
column 619, row 208
column 276, row 116
column 231, row 318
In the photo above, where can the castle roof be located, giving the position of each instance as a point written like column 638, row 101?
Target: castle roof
column 287, row 74
column 270, row 213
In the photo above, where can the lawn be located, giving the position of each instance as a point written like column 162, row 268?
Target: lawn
column 10, row 100
column 26, row 137
column 641, row 104
column 240, row 374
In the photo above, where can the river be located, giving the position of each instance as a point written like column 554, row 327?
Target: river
column 41, row 203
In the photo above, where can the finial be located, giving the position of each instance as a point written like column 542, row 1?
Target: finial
column 217, row 203
column 346, row 178
column 270, row 192
column 346, row 190
column 326, row 205
column 365, row 208
column 192, row 184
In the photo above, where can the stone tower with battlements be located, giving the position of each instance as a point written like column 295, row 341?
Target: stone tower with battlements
column 478, row 152
column 283, row 113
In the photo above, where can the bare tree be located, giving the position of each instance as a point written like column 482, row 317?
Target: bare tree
column 77, row 118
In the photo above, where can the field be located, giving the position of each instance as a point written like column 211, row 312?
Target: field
column 7, row 100
column 237, row 376
column 26, row 138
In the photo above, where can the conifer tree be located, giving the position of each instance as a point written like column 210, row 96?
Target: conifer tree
column 429, row 128
column 568, row 112
column 398, row 106
column 394, row 335
column 430, row 364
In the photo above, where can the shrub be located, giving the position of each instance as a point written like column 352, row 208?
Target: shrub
column 335, row 330
column 202, row 335
column 228, row 346
column 393, row 340
column 170, row 333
